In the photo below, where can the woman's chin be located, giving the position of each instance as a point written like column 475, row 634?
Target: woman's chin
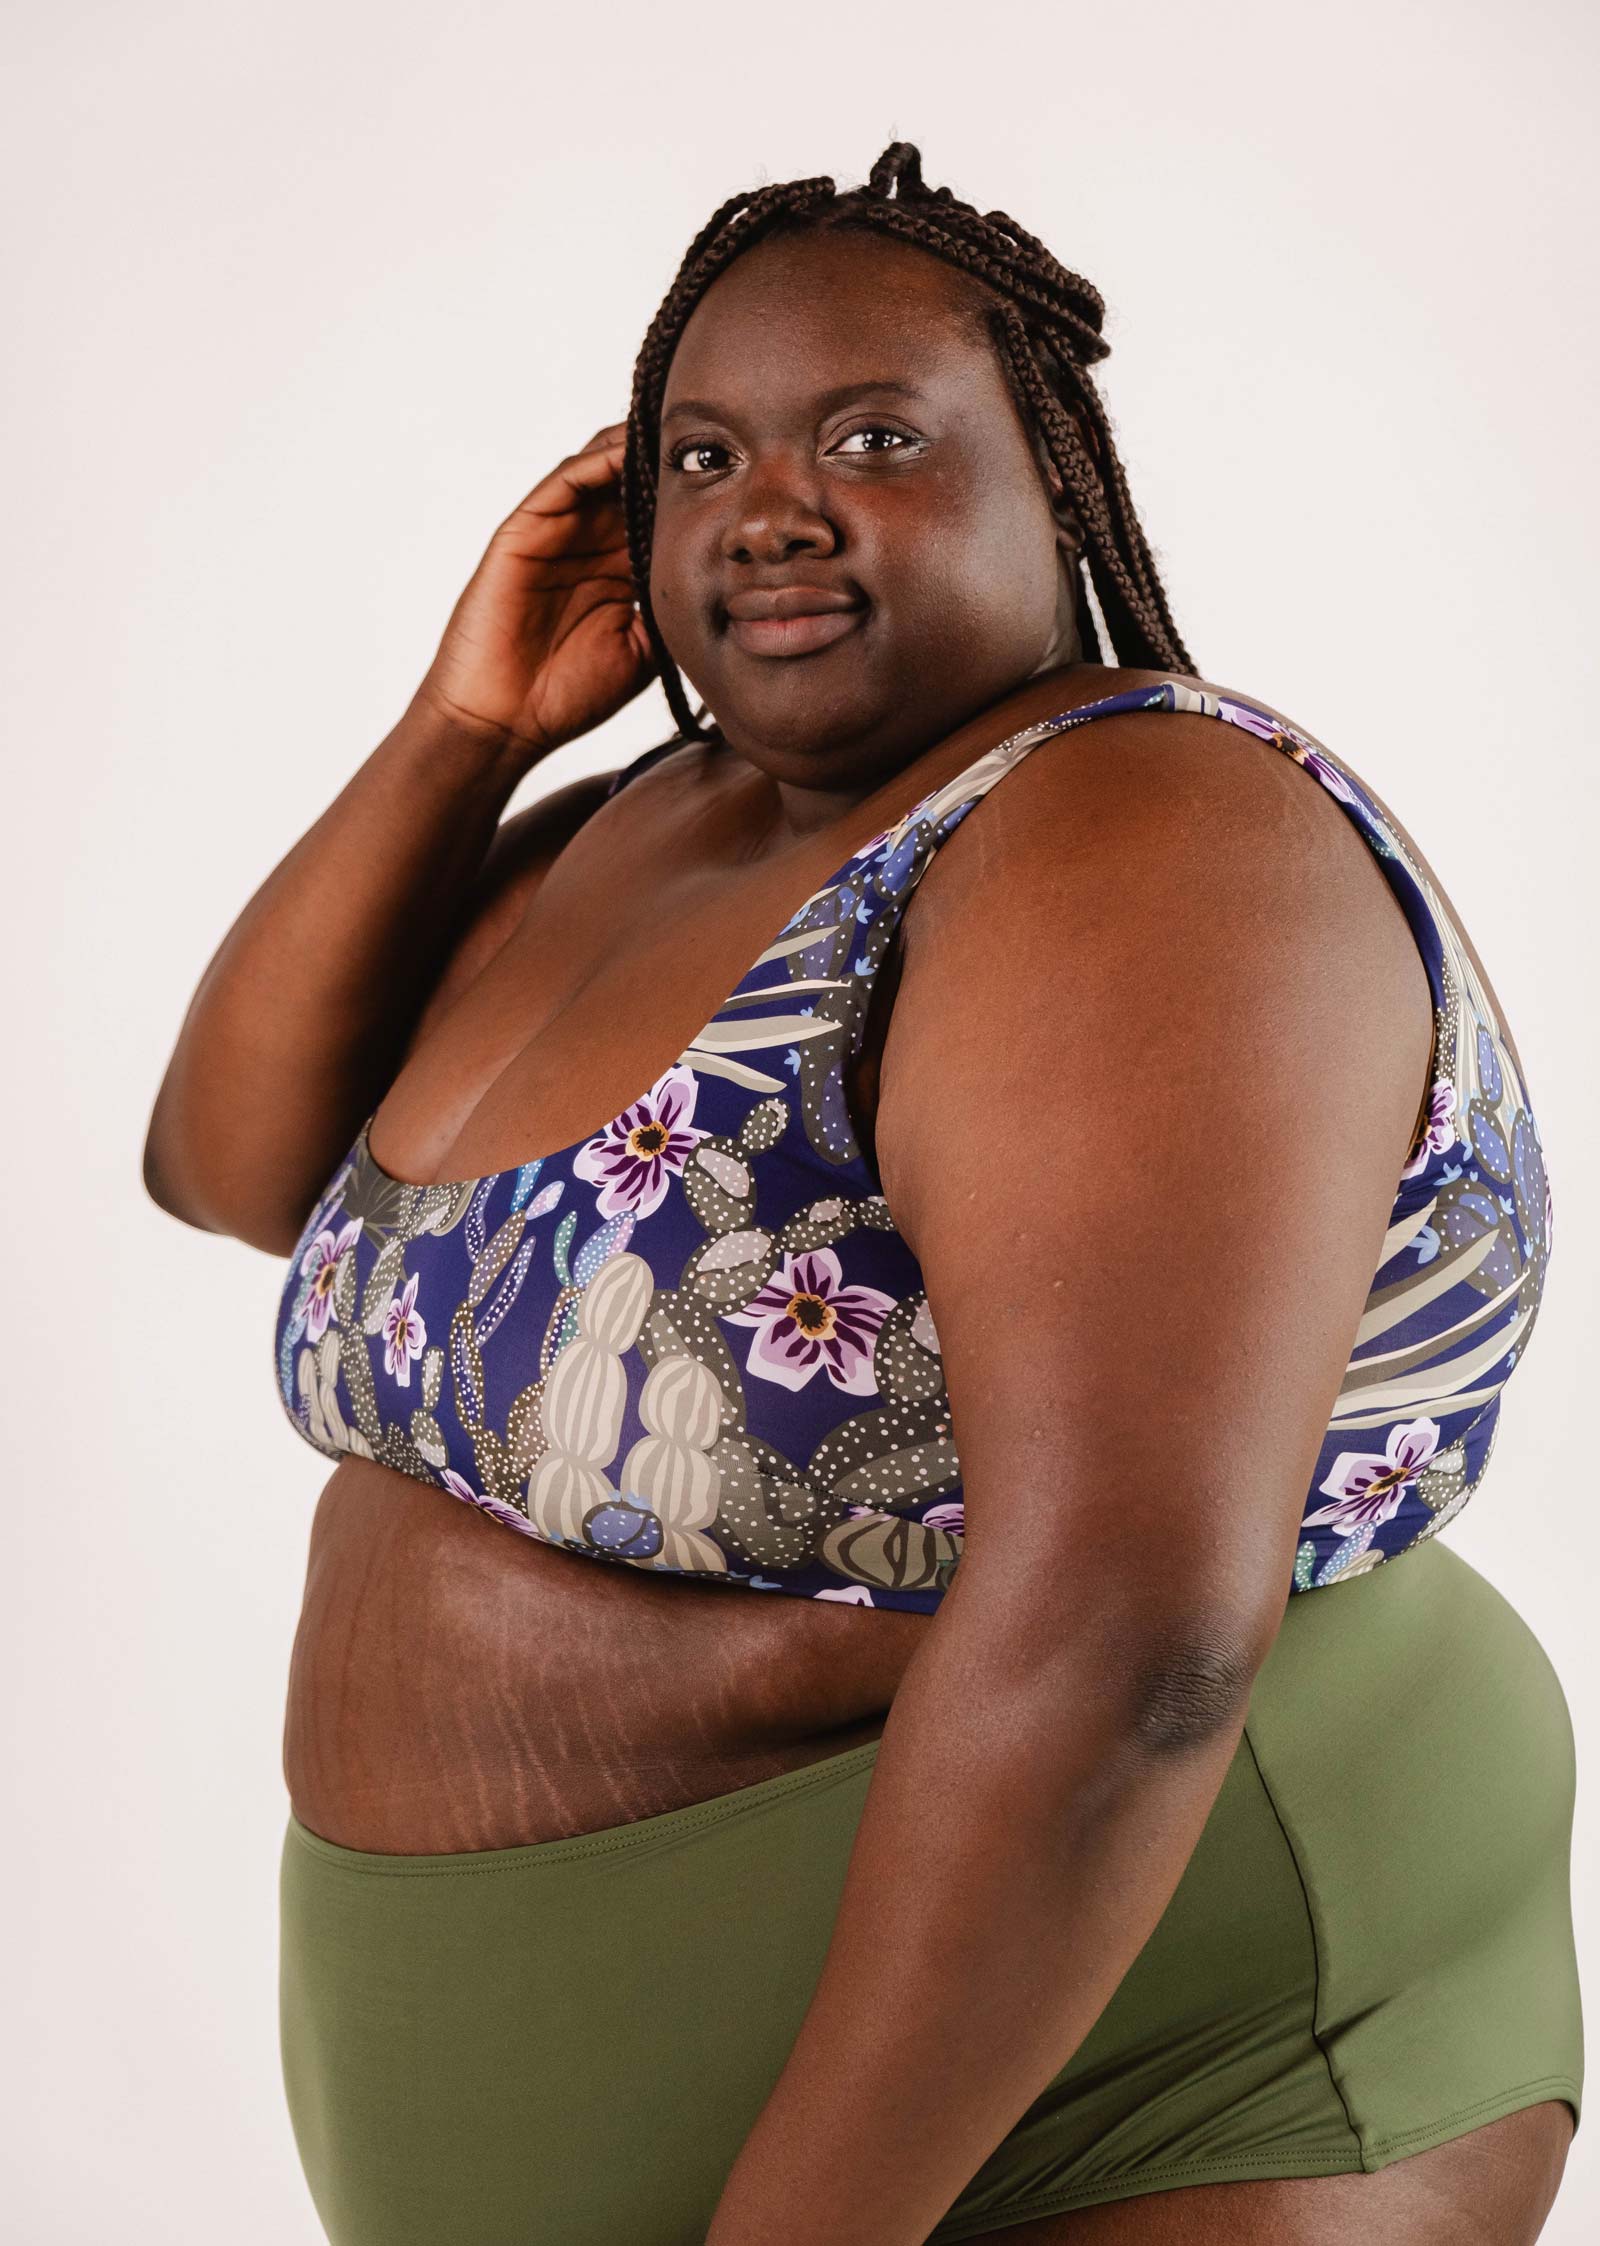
column 790, row 709
column 803, row 738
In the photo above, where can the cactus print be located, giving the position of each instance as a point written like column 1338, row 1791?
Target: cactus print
column 695, row 1342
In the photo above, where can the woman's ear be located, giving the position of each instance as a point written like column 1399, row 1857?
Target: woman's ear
column 1070, row 535
column 1069, row 523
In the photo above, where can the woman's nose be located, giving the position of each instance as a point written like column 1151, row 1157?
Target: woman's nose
column 775, row 517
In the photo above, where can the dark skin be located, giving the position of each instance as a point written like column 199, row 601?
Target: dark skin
column 453, row 1688
column 925, row 501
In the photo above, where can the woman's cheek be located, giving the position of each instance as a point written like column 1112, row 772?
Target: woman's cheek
column 679, row 619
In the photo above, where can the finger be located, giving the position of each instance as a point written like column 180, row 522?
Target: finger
column 576, row 482
column 607, row 444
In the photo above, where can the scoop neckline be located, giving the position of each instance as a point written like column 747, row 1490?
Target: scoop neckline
column 1140, row 696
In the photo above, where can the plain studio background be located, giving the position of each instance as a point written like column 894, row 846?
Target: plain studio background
column 306, row 300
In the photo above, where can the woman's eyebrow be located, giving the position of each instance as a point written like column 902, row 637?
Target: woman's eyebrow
column 829, row 401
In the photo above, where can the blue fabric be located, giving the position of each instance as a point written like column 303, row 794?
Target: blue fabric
column 695, row 1342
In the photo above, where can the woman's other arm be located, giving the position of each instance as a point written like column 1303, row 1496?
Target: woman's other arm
column 305, row 1010
column 1150, row 1079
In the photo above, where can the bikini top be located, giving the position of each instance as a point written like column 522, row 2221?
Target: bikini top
column 695, row 1342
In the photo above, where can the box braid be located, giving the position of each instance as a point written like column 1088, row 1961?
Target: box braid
column 1045, row 323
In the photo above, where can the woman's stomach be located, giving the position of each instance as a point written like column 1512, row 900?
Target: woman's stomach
column 454, row 1686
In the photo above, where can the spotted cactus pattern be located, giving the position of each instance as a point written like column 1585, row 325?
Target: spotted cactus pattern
column 696, row 1341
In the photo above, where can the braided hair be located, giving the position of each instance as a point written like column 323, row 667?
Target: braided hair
column 1045, row 324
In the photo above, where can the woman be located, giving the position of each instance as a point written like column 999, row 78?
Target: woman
column 1191, row 1863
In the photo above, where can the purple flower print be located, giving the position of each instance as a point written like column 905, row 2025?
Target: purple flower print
column 951, row 1517
column 1253, row 721
column 1367, row 1487
column 806, row 1318
column 1268, row 729
column 1439, row 1131
column 1330, row 776
column 641, row 1150
column 507, row 1515
column 404, row 1334
column 320, row 1264
column 857, row 1596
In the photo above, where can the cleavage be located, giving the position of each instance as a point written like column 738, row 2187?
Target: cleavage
column 482, row 1093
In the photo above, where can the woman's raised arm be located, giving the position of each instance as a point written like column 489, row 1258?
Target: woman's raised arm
column 308, row 1003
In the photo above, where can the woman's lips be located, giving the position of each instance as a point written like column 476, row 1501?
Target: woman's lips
column 792, row 635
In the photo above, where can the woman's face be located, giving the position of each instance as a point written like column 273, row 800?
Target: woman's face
column 836, row 421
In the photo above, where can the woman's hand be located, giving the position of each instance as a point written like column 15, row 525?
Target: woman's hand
column 546, row 642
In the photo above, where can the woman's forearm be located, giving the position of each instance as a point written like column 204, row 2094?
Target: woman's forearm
column 1019, row 1842
column 301, row 1013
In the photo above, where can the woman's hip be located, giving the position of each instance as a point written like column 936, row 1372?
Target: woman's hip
column 1370, row 1946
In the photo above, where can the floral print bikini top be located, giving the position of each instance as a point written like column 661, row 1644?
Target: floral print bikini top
column 694, row 1342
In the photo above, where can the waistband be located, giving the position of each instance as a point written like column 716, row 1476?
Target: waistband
column 644, row 1832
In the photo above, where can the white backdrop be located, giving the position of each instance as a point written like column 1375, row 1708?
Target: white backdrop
column 307, row 296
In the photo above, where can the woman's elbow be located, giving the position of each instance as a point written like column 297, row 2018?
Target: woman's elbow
column 274, row 1231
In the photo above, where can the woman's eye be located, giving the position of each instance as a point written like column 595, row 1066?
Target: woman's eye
column 873, row 429
column 684, row 452
column 689, row 457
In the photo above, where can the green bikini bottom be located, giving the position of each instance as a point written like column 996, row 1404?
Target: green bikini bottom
column 1370, row 1952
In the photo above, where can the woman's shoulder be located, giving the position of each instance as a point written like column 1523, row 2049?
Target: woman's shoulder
column 1174, row 875
column 1147, row 762
column 1160, row 906
column 1129, row 775
column 1453, row 960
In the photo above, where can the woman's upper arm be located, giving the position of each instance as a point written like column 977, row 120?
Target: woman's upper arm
column 1151, row 1076
column 525, row 847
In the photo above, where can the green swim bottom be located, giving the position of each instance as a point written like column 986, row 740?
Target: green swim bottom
column 1370, row 1952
